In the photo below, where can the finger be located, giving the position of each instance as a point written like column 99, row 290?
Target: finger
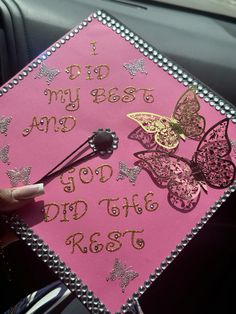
column 14, row 198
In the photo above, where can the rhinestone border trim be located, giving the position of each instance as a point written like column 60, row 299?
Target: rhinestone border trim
column 42, row 250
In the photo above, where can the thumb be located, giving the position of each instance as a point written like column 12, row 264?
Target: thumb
column 14, row 198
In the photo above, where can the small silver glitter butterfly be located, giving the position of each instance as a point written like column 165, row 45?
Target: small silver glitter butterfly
column 19, row 175
column 134, row 67
column 123, row 273
column 4, row 151
column 131, row 173
column 4, row 122
column 48, row 73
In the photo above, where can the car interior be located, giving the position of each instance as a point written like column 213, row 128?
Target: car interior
column 203, row 41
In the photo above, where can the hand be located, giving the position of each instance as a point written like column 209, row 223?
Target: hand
column 12, row 199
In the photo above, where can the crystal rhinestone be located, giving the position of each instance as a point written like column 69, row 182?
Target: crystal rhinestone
column 175, row 68
column 189, row 236
column 174, row 253
column 163, row 265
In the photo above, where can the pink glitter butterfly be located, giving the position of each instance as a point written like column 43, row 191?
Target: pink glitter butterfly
column 184, row 178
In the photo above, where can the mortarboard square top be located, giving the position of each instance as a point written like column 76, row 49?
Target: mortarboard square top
column 159, row 163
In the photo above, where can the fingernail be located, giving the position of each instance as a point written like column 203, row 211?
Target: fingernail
column 28, row 191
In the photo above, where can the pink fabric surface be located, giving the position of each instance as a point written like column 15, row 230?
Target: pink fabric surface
column 162, row 229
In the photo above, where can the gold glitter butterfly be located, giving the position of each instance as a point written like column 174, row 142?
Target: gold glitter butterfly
column 185, row 122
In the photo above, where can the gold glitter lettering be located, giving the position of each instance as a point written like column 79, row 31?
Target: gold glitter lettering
column 102, row 71
column 74, row 240
column 70, row 183
column 111, row 209
column 86, row 171
column 49, row 208
column 94, row 246
column 93, row 43
column 134, row 205
column 73, row 103
column 53, row 95
column 75, row 207
column 73, row 70
column 137, row 243
column 98, row 94
column 112, row 96
column 105, row 172
column 89, row 77
column 67, row 120
column 153, row 205
column 64, row 211
column 129, row 94
column 147, row 97
column 115, row 244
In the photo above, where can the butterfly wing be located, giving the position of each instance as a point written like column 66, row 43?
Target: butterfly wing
column 128, row 276
column 14, row 176
column 25, row 174
column 186, row 113
column 147, row 140
column 117, row 271
column 212, row 156
column 174, row 173
column 159, row 125
column 4, row 153
column 4, row 122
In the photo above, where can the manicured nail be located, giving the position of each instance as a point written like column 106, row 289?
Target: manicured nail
column 28, row 191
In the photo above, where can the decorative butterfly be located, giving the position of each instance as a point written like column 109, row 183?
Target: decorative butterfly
column 4, row 122
column 48, row 73
column 4, row 151
column 185, row 122
column 134, row 67
column 130, row 173
column 123, row 273
column 19, row 175
column 184, row 178
column 147, row 140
